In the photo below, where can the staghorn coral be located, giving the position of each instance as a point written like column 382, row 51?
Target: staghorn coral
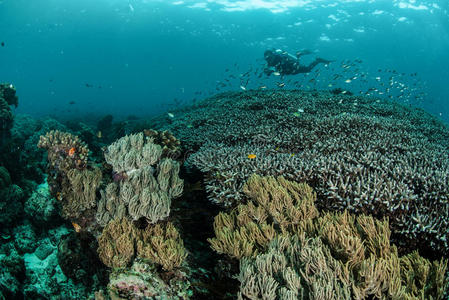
column 121, row 242
column 162, row 245
column 364, row 154
column 147, row 183
column 365, row 164
column 333, row 256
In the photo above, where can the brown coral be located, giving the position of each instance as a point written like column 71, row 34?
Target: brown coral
column 333, row 256
column 121, row 241
column 277, row 206
column 117, row 243
column 162, row 244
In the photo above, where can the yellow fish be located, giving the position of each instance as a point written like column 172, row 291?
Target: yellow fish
column 252, row 156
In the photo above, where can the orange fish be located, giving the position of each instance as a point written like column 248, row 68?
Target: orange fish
column 252, row 156
column 72, row 151
column 76, row 227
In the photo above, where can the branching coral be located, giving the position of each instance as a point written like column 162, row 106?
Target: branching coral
column 381, row 167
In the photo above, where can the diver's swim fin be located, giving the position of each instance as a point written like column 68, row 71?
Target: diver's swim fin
column 324, row 61
column 303, row 52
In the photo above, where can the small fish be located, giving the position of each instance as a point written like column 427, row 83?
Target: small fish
column 281, row 84
column 300, row 110
column 348, row 80
column 3, row 44
column 72, row 151
column 276, row 73
column 262, row 87
column 252, row 156
column 72, row 102
column 297, row 114
column 76, row 227
column 170, row 115
column 99, row 134
column 243, row 88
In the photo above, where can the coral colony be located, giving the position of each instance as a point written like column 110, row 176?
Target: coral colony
column 246, row 195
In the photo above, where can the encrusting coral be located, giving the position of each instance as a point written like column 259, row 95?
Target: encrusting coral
column 141, row 281
column 308, row 256
column 144, row 182
column 160, row 244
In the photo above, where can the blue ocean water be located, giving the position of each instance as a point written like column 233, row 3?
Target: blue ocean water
column 141, row 57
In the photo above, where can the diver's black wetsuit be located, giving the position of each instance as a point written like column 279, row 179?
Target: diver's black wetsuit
column 287, row 64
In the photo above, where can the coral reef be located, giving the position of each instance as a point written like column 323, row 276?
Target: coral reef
column 144, row 183
column 363, row 154
column 41, row 207
column 12, row 269
column 311, row 256
column 11, row 197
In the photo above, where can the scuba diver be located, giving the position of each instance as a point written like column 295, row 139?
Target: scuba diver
column 287, row 64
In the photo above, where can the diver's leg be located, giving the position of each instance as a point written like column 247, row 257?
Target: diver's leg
column 317, row 61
